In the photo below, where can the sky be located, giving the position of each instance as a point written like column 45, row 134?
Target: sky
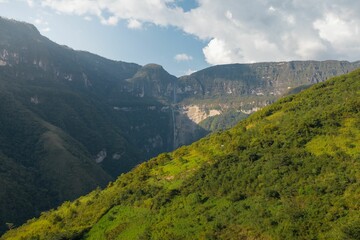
column 188, row 35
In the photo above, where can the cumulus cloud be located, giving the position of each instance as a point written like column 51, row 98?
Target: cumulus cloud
column 189, row 71
column 42, row 24
column 134, row 24
column 87, row 18
column 241, row 30
column 112, row 20
column 40, row 21
column 342, row 34
column 47, row 29
column 183, row 57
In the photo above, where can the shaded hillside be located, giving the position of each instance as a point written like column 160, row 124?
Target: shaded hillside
column 290, row 171
column 41, row 165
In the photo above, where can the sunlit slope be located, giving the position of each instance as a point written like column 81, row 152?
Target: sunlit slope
column 290, row 171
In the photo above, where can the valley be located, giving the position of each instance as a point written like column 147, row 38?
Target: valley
column 289, row 171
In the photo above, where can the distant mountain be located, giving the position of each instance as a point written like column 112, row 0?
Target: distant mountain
column 233, row 91
column 71, row 120
column 289, row 171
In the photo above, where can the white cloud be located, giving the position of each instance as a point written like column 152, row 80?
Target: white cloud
column 47, row 29
column 189, row 71
column 30, row 3
column 343, row 34
column 183, row 57
column 134, row 24
column 241, row 30
column 112, row 20
column 42, row 25
column 40, row 21
column 216, row 52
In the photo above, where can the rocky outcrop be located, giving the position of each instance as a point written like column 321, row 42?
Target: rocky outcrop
column 151, row 81
column 198, row 113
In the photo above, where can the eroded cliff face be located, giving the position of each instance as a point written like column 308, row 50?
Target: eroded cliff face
column 259, row 79
column 246, row 88
column 186, row 130
column 198, row 113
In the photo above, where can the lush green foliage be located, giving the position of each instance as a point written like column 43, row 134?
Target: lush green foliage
column 290, row 171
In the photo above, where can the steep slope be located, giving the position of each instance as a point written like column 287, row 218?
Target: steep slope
column 290, row 171
column 68, row 89
column 59, row 136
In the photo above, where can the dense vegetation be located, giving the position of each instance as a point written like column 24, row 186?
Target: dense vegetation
column 290, row 171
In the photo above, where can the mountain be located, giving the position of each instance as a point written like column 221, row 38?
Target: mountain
column 72, row 121
column 55, row 127
column 234, row 91
column 289, row 171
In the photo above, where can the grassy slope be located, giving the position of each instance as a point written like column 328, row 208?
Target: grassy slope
column 290, row 171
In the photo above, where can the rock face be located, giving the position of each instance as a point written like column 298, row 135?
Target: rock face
column 198, row 113
column 152, row 81
column 259, row 80
column 246, row 88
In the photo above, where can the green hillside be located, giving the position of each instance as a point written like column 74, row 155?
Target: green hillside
column 290, row 171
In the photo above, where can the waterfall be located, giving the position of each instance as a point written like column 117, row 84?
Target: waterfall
column 173, row 115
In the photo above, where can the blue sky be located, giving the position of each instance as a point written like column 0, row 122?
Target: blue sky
column 150, row 44
column 189, row 35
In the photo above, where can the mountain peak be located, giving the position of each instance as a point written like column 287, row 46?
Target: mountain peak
column 11, row 27
column 153, row 72
column 153, row 66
